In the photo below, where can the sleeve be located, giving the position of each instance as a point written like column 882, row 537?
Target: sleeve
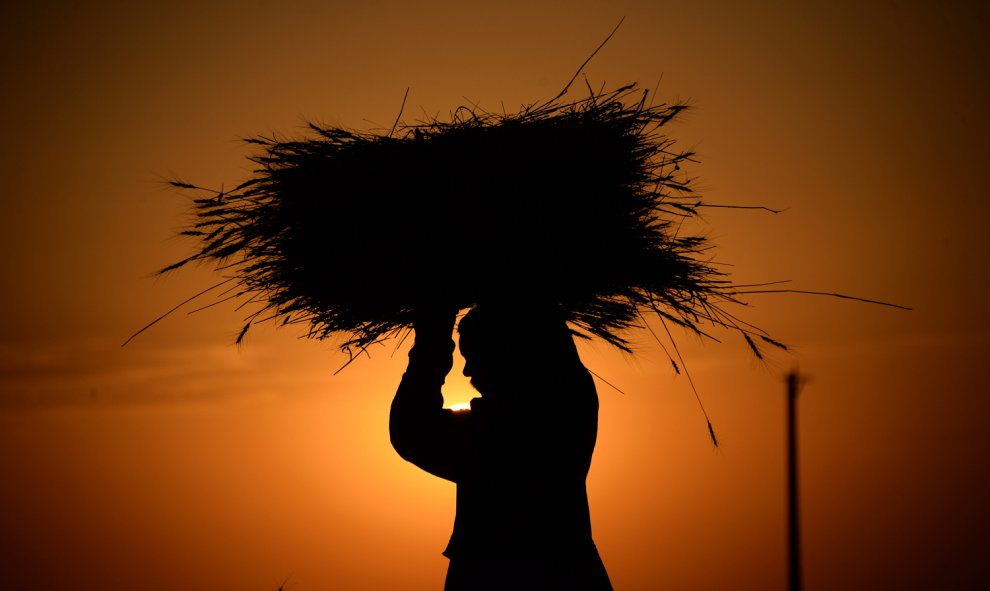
column 422, row 431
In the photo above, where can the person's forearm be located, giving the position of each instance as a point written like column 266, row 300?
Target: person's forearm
column 429, row 362
column 418, row 402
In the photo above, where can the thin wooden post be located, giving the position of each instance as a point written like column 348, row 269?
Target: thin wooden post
column 793, row 515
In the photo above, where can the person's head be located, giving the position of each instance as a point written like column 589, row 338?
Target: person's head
column 507, row 347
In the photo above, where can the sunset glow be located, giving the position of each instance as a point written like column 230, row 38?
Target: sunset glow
column 182, row 461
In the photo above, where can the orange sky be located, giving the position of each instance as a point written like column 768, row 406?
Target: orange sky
column 185, row 462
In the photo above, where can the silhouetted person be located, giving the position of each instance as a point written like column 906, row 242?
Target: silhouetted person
column 519, row 456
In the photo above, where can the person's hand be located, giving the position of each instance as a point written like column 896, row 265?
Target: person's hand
column 434, row 324
column 433, row 352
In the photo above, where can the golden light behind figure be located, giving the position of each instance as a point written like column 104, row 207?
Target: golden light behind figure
column 183, row 462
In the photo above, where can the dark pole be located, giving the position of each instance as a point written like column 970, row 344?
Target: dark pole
column 794, row 526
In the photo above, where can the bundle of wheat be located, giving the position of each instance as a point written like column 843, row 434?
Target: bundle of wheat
column 575, row 205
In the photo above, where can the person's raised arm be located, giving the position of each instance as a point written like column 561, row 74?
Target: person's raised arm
column 421, row 430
